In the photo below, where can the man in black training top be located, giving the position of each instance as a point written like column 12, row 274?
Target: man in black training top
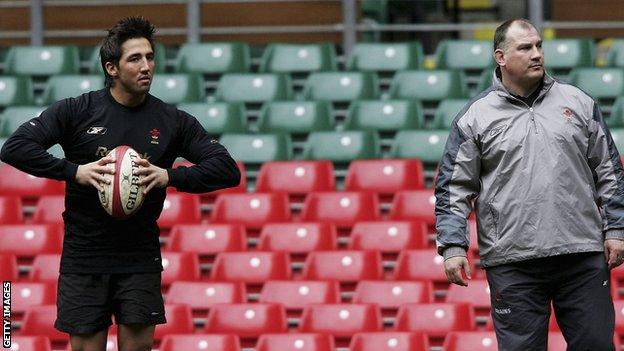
column 110, row 266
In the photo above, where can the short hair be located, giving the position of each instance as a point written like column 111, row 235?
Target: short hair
column 500, row 35
column 127, row 28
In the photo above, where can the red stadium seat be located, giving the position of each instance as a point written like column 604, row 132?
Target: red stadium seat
column 25, row 295
column 10, row 210
column 200, row 342
column 251, row 210
column 200, row 296
column 298, row 237
column 39, row 320
column 435, row 319
column 388, row 237
column 50, row 210
column 246, row 320
column 474, row 241
column 295, row 295
column 421, row 264
column 45, row 268
column 296, row 177
column 341, row 320
column 295, row 342
column 30, row 343
column 8, row 262
column 471, row 341
column 179, row 321
column 385, row 177
column 17, row 183
column 413, row 205
column 340, row 208
column 391, row 295
column 30, row 240
column 207, row 239
column 343, row 266
column 476, row 293
column 179, row 266
column 389, row 341
column 180, row 208
column 556, row 342
column 251, row 267
column 619, row 316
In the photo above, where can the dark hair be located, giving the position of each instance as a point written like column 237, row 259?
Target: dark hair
column 500, row 35
column 127, row 28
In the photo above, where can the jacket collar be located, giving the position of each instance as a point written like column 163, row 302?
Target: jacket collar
column 497, row 84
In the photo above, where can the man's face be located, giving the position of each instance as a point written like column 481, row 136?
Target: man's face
column 523, row 58
column 136, row 66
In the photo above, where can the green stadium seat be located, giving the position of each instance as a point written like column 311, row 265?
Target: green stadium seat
column 465, row 55
column 375, row 9
column 425, row 145
column 341, row 146
column 254, row 87
column 385, row 115
column 386, row 57
column 258, row 148
column 213, row 58
column 160, row 60
column 295, row 117
column 616, row 119
column 15, row 116
column 485, row 80
column 429, row 85
column 565, row 54
column 45, row 60
column 61, row 87
column 615, row 56
column 618, row 138
column 16, row 91
column 341, row 86
column 217, row 117
column 178, row 88
column 446, row 112
column 292, row 58
column 600, row 83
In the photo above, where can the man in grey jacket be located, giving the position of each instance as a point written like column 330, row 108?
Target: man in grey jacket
column 535, row 158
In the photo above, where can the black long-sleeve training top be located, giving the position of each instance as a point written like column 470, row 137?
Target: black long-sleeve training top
column 87, row 128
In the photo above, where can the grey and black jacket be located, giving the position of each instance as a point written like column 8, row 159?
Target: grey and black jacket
column 544, row 180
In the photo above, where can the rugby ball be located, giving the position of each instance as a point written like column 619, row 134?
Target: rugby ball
column 122, row 196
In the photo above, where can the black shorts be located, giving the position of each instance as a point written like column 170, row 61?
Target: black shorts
column 86, row 302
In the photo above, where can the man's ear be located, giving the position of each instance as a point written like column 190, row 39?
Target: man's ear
column 499, row 57
column 111, row 69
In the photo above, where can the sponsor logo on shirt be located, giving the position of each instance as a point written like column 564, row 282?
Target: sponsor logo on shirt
column 497, row 130
column 567, row 113
column 97, row 130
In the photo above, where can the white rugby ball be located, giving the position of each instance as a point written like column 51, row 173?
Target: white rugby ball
column 122, row 195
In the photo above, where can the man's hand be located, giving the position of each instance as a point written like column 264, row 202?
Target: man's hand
column 153, row 176
column 614, row 252
column 454, row 267
column 93, row 173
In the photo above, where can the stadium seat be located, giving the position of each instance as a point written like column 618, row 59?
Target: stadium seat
column 341, row 86
column 421, row 265
column 30, row 343
column 413, row 205
column 29, row 240
column 254, row 87
column 179, row 266
column 8, row 262
column 200, row 342
column 66, row 86
column 389, row 236
column 485, row 80
column 556, row 342
column 16, row 91
column 295, row 342
column 298, row 238
column 616, row 119
column 160, row 61
column 180, row 208
column 207, row 239
column 476, row 293
column 346, row 266
column 14, row 116
column 292, row 58
column 179, row 321
column 428, row 85
column 17, row 183
column 10, row 210
column 386, row 57
column 296, row 295
column 246, row 320
column 25, row 295
column 45, row 268
column 446, row 112
column 340, row 320
column 389, row 341
column 618, row 306
column 426, row 145
column 340, row 208
column 39, row 321
column 385, row 177
column 42, row 60
column 342, row 147
column 384, row 115
column 464, row 55
column 391, row 295
column 258, row 148
column 50, row 210
column 210, row 58
column 600, row 83
column 435, row 319
column 251, row 267
column 471, row 341
column 615, row 55
column 251, row 210
column 295, row 117
column 176, row 88
column 201, row 296
column 618, row 137
column 568, row 53
column 296, row 177
column 218, row 117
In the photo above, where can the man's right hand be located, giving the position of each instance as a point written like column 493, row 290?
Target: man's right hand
column 93, row 173
column 454, row 267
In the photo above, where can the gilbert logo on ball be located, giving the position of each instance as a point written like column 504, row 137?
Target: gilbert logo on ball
column 123, row 196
